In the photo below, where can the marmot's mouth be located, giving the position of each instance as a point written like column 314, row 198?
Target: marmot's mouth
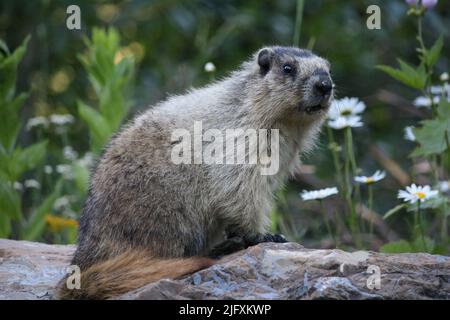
column 313, row 109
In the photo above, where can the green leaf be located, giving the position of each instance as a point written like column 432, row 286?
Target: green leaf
column 10, row 202
column 99, row 127
column 32, row 155
column 401, row 246
column 36, row 223
column 14, row 165
column 431, row 137
column 443, row 109
column 10, row 121
column 432, row 55
column 407, row 74
column 8, row 70
column 423, row 245
column 394, row 210
column 81, row 177
column 5, row 226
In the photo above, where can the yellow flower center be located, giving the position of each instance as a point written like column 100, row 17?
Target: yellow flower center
column 420, row 195
column 370, row 180
column 346, row 112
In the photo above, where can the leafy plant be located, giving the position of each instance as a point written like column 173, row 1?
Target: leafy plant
column 110, row 72
column 432, row 136
column 14, row 160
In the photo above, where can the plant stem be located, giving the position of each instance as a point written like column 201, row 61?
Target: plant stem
column 420, row 225
column 325, row 216
column 351, row 152
column 444, row 229
column 298, row 22
column 370, row 205
column 335, row 154
column 353, row 223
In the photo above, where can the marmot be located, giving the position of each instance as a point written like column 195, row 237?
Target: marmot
column 146, row 218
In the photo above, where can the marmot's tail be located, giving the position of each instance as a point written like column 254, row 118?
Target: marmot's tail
column 128, row 271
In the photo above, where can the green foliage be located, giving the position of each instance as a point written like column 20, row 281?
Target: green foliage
column 403, row 246
column 9, row 102
column 407, row 74
column 432, row 55
column 36, row 224
column 110, row 72
column 14, row 160
column 394, row 210
column 434, row 135
column 433, row 139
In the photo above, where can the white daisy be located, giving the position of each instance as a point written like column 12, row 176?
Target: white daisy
column 37, row 122
column 409, row 134
column 318, row 194
column 61, row 119
column 70, row 153
column 345, row 121
column 346, row 107
column 210, row 67
column 87, row 161
column 415, row 193
column 18, row 186
column 444, row 77
column 436, row 90
column 65, row 170
column 48, row 169
column 444, row 186
column 61, row 203
column 377, row 176
column 425, row 102
column 31, row 183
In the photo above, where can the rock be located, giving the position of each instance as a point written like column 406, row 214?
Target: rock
column 30, row 270
column 267, row 271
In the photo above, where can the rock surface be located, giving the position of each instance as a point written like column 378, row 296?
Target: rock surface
column 268, row 271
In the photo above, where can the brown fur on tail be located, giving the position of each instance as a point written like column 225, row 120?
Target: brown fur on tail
column 128, row 271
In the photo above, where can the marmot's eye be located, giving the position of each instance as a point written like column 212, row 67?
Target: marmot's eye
column 287, row 68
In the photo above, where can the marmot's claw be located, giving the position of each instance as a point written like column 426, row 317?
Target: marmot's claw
column 268, row 237
column 279, row 238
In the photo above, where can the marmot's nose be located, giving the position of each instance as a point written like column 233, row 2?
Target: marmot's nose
column 323, row 86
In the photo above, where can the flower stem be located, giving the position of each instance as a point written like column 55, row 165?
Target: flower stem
column 335, row 154
column 327, row 223
column 353, row 223
column 370, row 205
column 298, row 22
column 351, row 152
column 420, row 226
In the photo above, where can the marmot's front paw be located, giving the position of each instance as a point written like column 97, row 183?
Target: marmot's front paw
column 267, row 237
column 279, row 238
column 228, row 246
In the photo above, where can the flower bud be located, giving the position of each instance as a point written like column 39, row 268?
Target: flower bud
column 210, row 67
column 429, row 4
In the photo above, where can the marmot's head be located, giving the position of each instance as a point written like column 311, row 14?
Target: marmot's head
column 295, row 83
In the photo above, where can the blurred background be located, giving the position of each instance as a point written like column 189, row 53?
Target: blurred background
column 170, row 42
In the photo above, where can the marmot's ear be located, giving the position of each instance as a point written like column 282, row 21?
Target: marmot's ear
column 265, row 57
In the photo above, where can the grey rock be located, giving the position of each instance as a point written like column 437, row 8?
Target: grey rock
column 267, row 271
column 30, row 270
